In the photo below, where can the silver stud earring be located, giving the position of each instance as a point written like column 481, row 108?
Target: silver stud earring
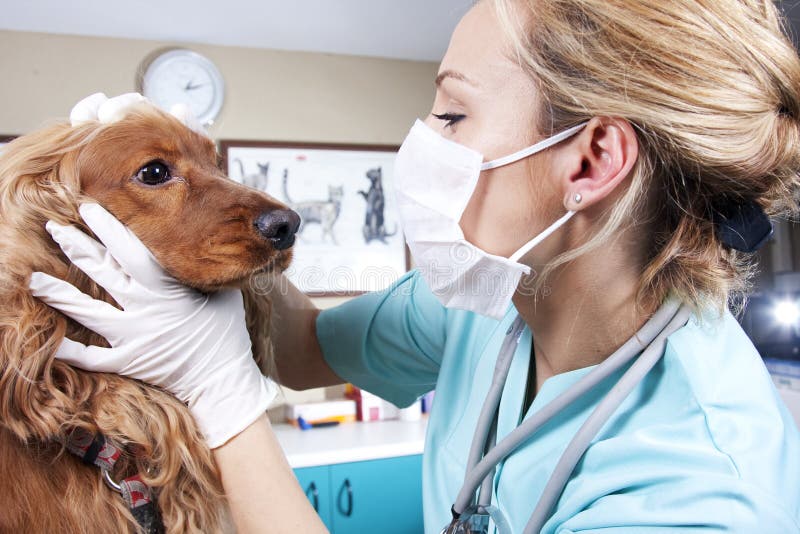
column 577, row 198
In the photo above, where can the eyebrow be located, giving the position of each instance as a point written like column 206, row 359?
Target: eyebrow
column 452, row 74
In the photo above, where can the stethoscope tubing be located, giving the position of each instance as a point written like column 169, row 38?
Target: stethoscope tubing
column 477, row 470
column 597, row 419
column 501, row 369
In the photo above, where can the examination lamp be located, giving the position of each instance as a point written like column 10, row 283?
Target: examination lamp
column 787, row 312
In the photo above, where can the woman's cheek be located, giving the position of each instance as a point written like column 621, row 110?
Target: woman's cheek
column 489, row 213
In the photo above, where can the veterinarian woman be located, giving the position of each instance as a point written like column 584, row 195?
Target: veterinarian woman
column 598, row 369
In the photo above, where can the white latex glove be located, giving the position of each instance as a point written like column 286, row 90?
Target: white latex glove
column 98, row 107
column 193, row 345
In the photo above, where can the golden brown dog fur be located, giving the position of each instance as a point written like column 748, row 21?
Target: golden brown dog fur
column 200, row 228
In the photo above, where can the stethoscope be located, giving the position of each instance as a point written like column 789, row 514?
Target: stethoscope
column 473, row 515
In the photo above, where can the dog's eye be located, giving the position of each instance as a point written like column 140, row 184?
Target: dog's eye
column 153, row 173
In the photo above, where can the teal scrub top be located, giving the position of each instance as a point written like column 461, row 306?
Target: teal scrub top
column 703, row 443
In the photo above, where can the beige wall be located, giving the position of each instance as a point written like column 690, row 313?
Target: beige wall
column 293, row 96
column 270, row 95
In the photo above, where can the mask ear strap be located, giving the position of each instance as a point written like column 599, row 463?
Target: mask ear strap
column 541, row 237
column 538, row 147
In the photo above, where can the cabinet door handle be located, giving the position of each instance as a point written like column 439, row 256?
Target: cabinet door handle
column 345, row 487
column 314, row 495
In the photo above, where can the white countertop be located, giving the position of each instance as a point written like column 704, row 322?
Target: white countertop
column 351, row 442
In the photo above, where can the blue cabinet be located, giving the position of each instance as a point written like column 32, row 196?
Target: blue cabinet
column 378, row 496
column 315, row 481
column 371, row 496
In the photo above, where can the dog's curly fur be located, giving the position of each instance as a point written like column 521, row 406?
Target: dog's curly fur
column 200, row 228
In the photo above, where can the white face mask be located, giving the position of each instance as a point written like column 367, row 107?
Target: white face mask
column 434, row 180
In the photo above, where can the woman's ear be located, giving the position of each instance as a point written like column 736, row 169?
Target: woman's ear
column 599, row 158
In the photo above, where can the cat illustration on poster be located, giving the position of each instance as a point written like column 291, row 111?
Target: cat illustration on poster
column 374, row 227
column 322, row 212
column 257, row 180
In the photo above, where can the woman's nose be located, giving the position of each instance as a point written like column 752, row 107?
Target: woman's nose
column 279, row 226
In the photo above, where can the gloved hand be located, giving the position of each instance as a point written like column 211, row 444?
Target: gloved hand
column 98, row 107
column 193, row 345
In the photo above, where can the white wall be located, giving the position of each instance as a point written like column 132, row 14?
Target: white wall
column 271, row 95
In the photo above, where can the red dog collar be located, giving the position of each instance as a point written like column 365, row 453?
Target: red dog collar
column 97, row 450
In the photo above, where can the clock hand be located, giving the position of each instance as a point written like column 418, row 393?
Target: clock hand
column 190, row 87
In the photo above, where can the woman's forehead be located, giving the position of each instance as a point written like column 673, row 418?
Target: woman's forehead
column 480, row 51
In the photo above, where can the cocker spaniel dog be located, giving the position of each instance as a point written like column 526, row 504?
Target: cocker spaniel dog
column 161, row 179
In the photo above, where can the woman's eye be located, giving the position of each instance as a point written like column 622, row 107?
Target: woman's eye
column 153, row 173
column 451, row 118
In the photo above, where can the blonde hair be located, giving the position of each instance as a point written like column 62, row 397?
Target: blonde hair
column 711, row 88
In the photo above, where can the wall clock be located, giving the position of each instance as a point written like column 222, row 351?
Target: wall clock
column 180, row 75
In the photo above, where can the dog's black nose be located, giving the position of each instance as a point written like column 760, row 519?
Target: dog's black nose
column 279, row 226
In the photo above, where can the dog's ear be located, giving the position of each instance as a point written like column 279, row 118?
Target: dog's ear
column 258, row 312
column 39, row 181
column 29, row 337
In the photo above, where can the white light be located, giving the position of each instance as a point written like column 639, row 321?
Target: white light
column 787, row 312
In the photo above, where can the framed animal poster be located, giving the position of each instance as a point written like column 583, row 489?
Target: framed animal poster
column 349, row 241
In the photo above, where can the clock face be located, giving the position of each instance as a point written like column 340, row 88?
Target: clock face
column 183, row 76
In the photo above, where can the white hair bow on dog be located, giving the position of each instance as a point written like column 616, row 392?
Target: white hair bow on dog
column 98, row 107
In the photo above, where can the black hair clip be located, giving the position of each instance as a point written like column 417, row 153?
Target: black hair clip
column 742, row 226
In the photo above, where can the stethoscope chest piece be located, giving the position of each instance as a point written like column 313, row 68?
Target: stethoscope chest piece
column 478, row 520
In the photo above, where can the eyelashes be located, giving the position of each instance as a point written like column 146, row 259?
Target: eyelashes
column 451, row 118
